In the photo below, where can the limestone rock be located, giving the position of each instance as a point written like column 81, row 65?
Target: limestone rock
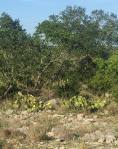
column 110, row 138
column 80, row 116
column 9, row 112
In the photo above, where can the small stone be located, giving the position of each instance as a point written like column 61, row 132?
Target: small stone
column 80, row 116
column 95, row 117
column 86, row 122
column 57, row 115
column 24, row 112
column 70, row 119
column 50, row 134
column 106, row 112
column 107, row 95
column 60, row 139
column 101, row 140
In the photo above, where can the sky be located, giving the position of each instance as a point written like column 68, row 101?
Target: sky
column 31, row 12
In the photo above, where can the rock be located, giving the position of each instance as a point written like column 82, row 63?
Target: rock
column 60, row 139
column 84, row 86
column 58, row 115
column 101, row 140
column 107, row 95
column 9, row 112
column 24, row 113
column 110, row 138
column 34, row 123
column 116, row 142
column 86, row 122
column 80, row 116
column 70, row 119
column 22, row 129
column 106, row 112
column 95, row 117
column 51, row 134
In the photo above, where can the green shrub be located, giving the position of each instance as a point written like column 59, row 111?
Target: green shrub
column 106, row 75
column 101, row 81
column 1, row 144
column 69, row 89
column 82, row 103
column 97, row 105
column 27, row 102
column 76, row 103
column 115, row 93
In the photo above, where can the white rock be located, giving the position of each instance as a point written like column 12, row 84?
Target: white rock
column 24, row 112
column 116, row 142
column 8, row 112
column 80, row 116
column 101, row 140
column 110, row 138
column 50, row 134
column 23, row 129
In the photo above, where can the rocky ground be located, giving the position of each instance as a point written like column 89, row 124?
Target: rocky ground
column 57, row 130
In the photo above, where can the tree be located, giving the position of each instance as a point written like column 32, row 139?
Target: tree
column 18, row 61
column 12, row 36
column 74, row 30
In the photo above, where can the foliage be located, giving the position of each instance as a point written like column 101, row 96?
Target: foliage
column 74, row 30
column 115, row 93
column 98, row 105
column 82, row 103
column 27, row 102
column 106, row 76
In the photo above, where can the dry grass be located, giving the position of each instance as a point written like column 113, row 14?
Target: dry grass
column 33, row 129
column 38, row 130
column 112, row 108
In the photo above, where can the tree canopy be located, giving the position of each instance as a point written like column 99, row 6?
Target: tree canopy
column 66, row 51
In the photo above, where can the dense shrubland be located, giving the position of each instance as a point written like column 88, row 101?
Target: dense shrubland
column 68, row 54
